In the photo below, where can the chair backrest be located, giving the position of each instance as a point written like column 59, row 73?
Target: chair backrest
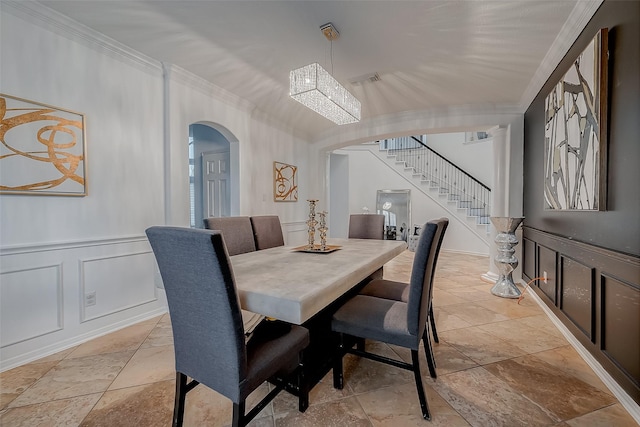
column 421, row 272
column 208, row 333
column 237, row 232
column 366, row 226
column 267, row 231
column 445, row 224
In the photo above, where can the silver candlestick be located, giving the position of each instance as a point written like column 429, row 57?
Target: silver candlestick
column 323, row 230
column 311, row 222
column 506, row 261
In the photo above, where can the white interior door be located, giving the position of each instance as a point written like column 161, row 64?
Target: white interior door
column 215, row 184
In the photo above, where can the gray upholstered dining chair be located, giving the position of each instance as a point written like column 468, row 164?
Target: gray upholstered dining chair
column 267, row 231
column 237, row 232
column 366, row 226
column 392, row 322
column 208, row 333
column 399, row 291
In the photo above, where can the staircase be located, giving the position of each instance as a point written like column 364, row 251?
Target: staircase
column 440, row 179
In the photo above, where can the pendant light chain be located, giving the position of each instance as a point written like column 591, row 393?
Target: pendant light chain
column 331, row 55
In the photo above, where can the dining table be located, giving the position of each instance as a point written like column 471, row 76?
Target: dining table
column 291, row 284
column 302, row 287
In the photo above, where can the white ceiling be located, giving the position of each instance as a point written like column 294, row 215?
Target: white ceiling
column 430, row 55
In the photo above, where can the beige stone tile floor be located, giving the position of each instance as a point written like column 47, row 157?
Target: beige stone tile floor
column 499, row 364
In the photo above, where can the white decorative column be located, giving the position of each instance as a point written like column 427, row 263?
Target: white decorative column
column 499, row 192
column 166, row 143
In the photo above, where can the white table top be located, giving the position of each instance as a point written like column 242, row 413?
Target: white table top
column 293, row 286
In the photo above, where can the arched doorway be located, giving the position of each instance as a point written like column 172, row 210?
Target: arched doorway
column 211, row 172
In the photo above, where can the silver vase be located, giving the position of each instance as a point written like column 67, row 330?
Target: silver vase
column 506, row 260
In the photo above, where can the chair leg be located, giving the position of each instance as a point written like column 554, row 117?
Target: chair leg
column 360, row 344
column 181, row 393
column 433, row 325
column 424, row 406
column 303, row 387
column 338, row 375
column 238, row 414
column 428, row 351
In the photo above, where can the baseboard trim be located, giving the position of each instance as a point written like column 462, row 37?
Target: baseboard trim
column 489, row 277
column 625, row 400
column 32, row 356
column 456, row 251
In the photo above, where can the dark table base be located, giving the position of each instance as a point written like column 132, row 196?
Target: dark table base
column 318, row 357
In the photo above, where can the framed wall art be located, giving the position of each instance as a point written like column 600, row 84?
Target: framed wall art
column 285, row 182
column 42, row 149
column 575, row 151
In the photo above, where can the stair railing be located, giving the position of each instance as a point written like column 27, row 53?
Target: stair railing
column 442, row 174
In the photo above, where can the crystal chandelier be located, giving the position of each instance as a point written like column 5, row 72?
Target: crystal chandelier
column 316, row 89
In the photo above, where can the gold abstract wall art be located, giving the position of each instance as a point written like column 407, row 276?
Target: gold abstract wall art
column 42, row 149
column 575, row 152
column 285, row 185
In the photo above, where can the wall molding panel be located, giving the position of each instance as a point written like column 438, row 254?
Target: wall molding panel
column 295, row 232
column 600, row 309
column 123, row 275
column 546, row 261
column 52, row 316
column 55, row 246
column 577, row 288
column 23, row 291
column 614, row 318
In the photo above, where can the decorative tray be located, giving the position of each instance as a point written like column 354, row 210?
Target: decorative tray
column 316, row 249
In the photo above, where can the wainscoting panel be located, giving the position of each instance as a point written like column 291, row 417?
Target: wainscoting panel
column 529, row 258
column 295, row 233
column 598, row 299
column 126, row 276
column 30, row 303
column 43, row 290
column 621, row 324
column 547, row 263
column 577, row 288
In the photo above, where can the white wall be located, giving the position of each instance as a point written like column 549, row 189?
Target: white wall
column 55, row 249
column 367, row 174
column 457, row 119
column 476, row 159
column 338, row 220
column 255, row 142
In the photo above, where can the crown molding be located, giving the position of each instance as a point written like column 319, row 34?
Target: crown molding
column 204, row 86
column 44, row 17
column 580, row 16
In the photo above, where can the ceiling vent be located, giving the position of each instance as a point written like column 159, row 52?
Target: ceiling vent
column 366, row 78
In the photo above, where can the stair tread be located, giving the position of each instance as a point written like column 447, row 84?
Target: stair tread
column 473, row 209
